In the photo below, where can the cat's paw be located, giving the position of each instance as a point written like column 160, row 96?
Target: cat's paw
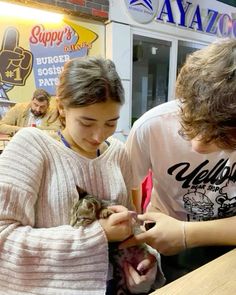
column 105, row 213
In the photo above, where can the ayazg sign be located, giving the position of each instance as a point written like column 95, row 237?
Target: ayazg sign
column 184, row 14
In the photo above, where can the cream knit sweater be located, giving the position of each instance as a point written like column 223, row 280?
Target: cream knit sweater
column 39, row 252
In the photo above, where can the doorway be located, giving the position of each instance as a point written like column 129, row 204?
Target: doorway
column 151, row 59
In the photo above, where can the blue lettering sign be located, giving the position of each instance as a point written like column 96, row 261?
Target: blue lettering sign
column 183, row 11
column 167, row 12
column 197, row 20
column 189, row 13
column 234, row 28
column 211, row 26
column 225, row 25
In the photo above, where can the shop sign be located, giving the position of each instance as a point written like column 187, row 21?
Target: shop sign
column 49, row 49
column 52, row 47
column 184, row 14
column 33, row 53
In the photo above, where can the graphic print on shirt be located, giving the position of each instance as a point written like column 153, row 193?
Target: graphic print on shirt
column 227, row 205
column 211, row 190
column 199, row 205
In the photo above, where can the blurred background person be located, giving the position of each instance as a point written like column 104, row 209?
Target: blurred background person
column 37, row 113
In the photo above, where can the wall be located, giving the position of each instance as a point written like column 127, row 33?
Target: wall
column 94, row 9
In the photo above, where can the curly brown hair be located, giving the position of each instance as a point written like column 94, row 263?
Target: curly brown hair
column 206, row 86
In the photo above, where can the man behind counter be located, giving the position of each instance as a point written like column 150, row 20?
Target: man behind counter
column 37, row 113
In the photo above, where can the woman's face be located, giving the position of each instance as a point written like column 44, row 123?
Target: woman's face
column 87, row 127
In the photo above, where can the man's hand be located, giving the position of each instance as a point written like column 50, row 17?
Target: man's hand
column 166, row 236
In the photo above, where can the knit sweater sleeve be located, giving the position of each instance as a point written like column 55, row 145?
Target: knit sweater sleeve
column 49, row 260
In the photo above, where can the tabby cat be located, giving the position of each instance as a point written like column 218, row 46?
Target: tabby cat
column 88, row 209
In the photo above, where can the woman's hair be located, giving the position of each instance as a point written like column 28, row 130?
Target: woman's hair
column 88, row 80
column 206, row 86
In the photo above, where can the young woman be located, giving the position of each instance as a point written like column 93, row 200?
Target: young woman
column 40, row 253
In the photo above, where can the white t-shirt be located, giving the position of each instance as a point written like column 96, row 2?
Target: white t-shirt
column 34, row 121
column 186, row 185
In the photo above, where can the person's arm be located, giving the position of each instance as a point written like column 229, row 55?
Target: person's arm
column 209, row 233
column 137, row 147
column 9, row 121
column 171, row 236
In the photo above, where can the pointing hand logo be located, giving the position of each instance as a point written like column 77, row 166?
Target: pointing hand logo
column 15, row 61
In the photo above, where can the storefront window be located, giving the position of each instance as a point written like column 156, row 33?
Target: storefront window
column 150, row 74
column 184, row 49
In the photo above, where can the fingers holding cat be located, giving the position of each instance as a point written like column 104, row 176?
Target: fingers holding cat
column 117, row 226
column 140, row 282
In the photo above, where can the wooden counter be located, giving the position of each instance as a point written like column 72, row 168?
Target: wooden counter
column 217, row 277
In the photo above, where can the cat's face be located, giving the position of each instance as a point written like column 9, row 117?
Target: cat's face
column 89, row 208
column 85, row 211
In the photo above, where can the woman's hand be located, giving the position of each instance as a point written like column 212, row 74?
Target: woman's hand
column 141, row 279
column 167, row 236
column 117, row 226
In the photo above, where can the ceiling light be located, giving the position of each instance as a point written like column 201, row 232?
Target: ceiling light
column 27, row 13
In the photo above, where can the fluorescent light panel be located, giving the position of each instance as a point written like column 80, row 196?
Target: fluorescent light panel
column 27, row 13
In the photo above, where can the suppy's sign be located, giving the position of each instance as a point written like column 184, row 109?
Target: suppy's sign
column 33, row 53
column 184, row 14
column 51, row 48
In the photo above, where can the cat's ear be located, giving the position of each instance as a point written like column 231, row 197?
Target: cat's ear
column 82, row 193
